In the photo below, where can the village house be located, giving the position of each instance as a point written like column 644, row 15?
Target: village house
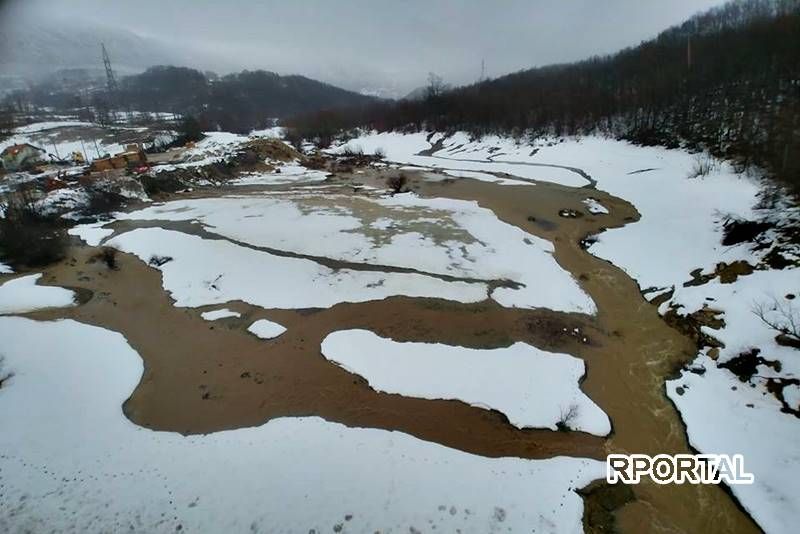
column 21, row 157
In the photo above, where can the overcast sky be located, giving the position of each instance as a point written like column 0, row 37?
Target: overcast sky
column 377, row 43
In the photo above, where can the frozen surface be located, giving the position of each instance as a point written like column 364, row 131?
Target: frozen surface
column 73, row 462
column 22, row 295
column 441, row 236
column 532, row 387
column 210, row 271
column 266, row 329
column 222, row 313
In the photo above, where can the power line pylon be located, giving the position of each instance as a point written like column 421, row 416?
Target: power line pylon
column 111, row 81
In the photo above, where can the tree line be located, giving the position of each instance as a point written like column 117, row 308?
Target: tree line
column 236, row 102
column 727, row 80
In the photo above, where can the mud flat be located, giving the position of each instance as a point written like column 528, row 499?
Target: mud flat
column 203, row 376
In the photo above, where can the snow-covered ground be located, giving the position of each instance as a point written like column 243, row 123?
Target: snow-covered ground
column 403, row 148
column 92, row 233
column 44, row 135
column 216, row 147
column 681, row 230
column 485, row 177
column 285, row 173
column 266, row 329
column 724, row 414
column 211, row 271
column 532, row 387
column 21, row 295
column 5, row 269
column 71, row 461
column 221, row 313
column 441, row 236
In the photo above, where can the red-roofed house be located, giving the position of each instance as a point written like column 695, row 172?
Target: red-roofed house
column 22, row 156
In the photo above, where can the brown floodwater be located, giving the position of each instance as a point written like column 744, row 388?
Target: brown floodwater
column 203, row 376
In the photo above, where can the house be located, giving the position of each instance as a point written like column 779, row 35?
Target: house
column 21, row 157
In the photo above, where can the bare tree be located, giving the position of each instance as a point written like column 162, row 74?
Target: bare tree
column 4, row 376
column 782, row 317
column 436, row 85
column 567, row 417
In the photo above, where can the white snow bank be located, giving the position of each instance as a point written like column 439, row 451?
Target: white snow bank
column 208, row 271
column 222, row 313
column 657, row 250
column 288, row 173
column 594, row 207
column 532, row 387
column 22, row 295
column 5, row 269
column 91, row 233
column 485, row 177
column 441, row 236
column 266, row 329
column 49, row 125
column 722, row 420
column 75, row 463
column 402, row 148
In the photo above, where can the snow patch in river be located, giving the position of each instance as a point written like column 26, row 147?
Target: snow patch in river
column 532, row 387
column 75, row 462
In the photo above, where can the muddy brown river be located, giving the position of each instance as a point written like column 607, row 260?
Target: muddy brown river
column 203, row 376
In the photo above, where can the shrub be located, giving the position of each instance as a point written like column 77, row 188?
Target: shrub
column 702, row 166
column 109, row 256
column 350, row 151
column 163, row 182
column 380, row 153
column 102, row 202
column 28, row 237
column 567, row 417
column 158, row 261
column 397, row 183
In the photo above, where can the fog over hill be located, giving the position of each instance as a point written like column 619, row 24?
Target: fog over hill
column 49, row 44
column 378, row 48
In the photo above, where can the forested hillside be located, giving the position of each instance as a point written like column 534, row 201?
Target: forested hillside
column 236, row 102
column 727, row 80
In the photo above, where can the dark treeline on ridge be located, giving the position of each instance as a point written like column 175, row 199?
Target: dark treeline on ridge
column 727, row 80
column 236, row 102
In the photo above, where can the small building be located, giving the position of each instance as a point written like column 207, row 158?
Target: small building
column 21, row 157
column 133, row 157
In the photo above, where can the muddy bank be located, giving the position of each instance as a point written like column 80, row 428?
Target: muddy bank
column 628, row 366
column 205, row 376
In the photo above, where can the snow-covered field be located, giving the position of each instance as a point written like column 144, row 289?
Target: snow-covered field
column 403, row 149
column 211, row 271
column 681, row 230
column 45, row 136
column 440, row 236
column 21, row 295
column 71, row 461
column 532, row 387
column 266, row 329
column 221, row 313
